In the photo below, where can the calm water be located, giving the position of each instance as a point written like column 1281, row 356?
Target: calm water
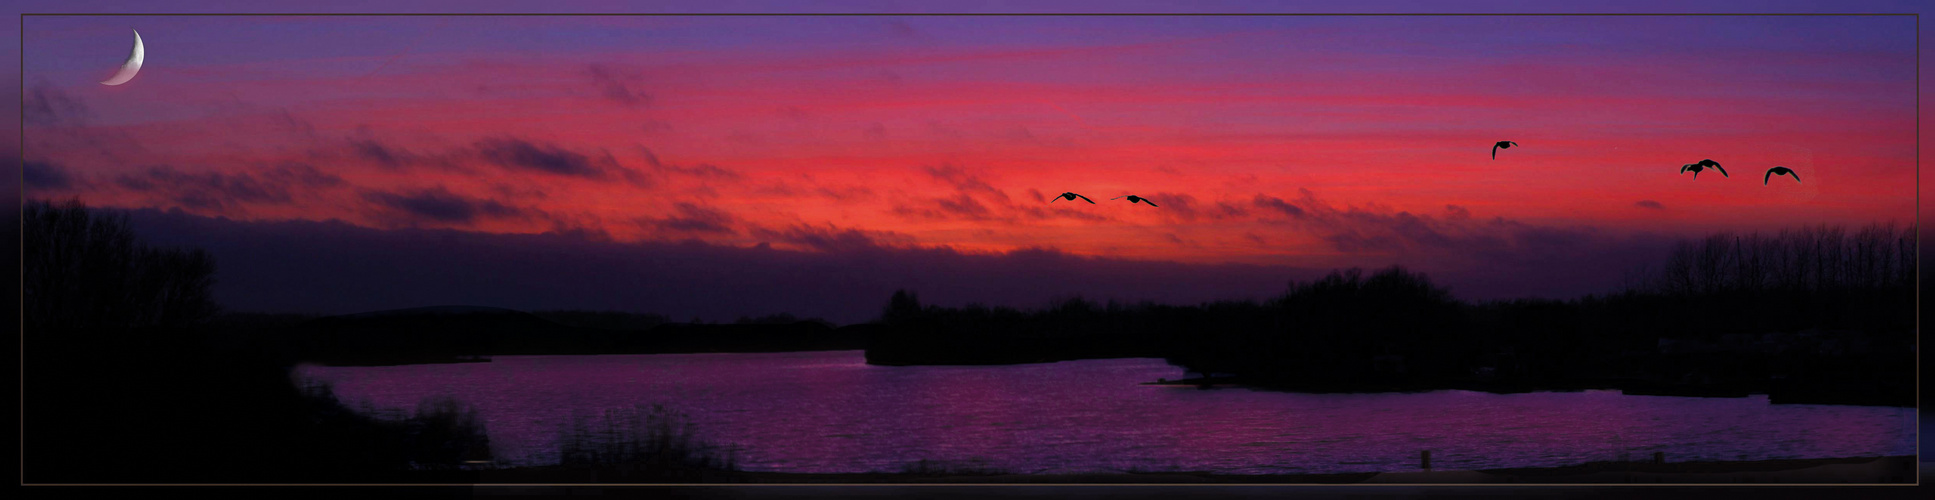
column 831, row 412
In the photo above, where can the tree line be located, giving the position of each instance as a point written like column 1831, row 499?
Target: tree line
column 1815, row 258
column 1818, row 304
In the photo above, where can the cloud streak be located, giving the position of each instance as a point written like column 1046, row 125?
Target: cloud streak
column 973, row 198
column 222, row 191
column 827, row 238
column 529, row 156
column 617, row 86
column 49, row 106
column 44, row 175
column 438, row 204
column 1495, row 256
column 702, row 171
column 690, row 218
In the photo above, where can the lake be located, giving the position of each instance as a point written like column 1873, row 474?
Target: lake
column 830, row 412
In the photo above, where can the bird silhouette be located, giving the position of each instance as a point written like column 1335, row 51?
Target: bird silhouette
column 1714, row 165
column 1071, row 196
column 1778, row 170
column 1134, row 199
column 1703, row 165
column 1501, row 145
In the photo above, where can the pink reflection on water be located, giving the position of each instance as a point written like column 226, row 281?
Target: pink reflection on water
column 830, row 412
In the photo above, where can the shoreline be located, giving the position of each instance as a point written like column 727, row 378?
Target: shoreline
column 1816, row 394
column 1813, row 394
column 379, row 362
column 1900, row 469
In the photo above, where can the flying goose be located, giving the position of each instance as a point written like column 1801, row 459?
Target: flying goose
column 1071, row 197
column 1702, row 165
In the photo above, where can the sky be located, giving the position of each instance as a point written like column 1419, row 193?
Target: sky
column 724, row 165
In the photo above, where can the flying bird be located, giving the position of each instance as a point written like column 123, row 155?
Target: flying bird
column 1134, row 199
column 1779, row 171
column 1702, row 165
column 1714, row 165
column 1501, row 145
column 1071, row 197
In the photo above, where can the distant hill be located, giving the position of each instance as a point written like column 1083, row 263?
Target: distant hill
column 431, row 311
column 425, row 320
column 782, row 337
column 446, row 333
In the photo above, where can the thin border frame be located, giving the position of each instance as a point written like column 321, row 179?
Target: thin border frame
column 974, row 14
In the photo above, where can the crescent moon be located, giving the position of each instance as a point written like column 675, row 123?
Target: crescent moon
column 128, row 69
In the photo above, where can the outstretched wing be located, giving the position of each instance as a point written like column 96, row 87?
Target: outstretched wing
column 1683, row 168
column 1494, row 151
column 1118, row 197
column 1057, row 198
column 1723, row 172
column 1513, row 143
column 1151, row 203
column 1797, row 175
column 1770, row 175
column 1085, row 198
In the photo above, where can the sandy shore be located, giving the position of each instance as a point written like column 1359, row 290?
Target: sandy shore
column 1857, row 470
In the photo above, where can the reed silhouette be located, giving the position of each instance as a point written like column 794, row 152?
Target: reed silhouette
column 654, row 437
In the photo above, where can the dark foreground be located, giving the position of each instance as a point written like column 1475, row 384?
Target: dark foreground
column 1777, row 393
column 1856, row 470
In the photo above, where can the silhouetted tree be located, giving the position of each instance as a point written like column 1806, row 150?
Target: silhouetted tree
column 84, row 269
column 901, row 307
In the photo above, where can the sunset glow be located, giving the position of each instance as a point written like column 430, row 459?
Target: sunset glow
column 1282, row 141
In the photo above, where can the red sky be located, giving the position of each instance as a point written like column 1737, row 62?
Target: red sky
column 1297, row 141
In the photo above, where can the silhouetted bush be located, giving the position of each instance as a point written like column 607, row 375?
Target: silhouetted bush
column 1338, row 326
column 442, row 434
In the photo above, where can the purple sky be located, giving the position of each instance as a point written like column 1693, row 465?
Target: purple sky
column 450, row 237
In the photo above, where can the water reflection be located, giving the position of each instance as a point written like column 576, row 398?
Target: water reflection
column 830, row 412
